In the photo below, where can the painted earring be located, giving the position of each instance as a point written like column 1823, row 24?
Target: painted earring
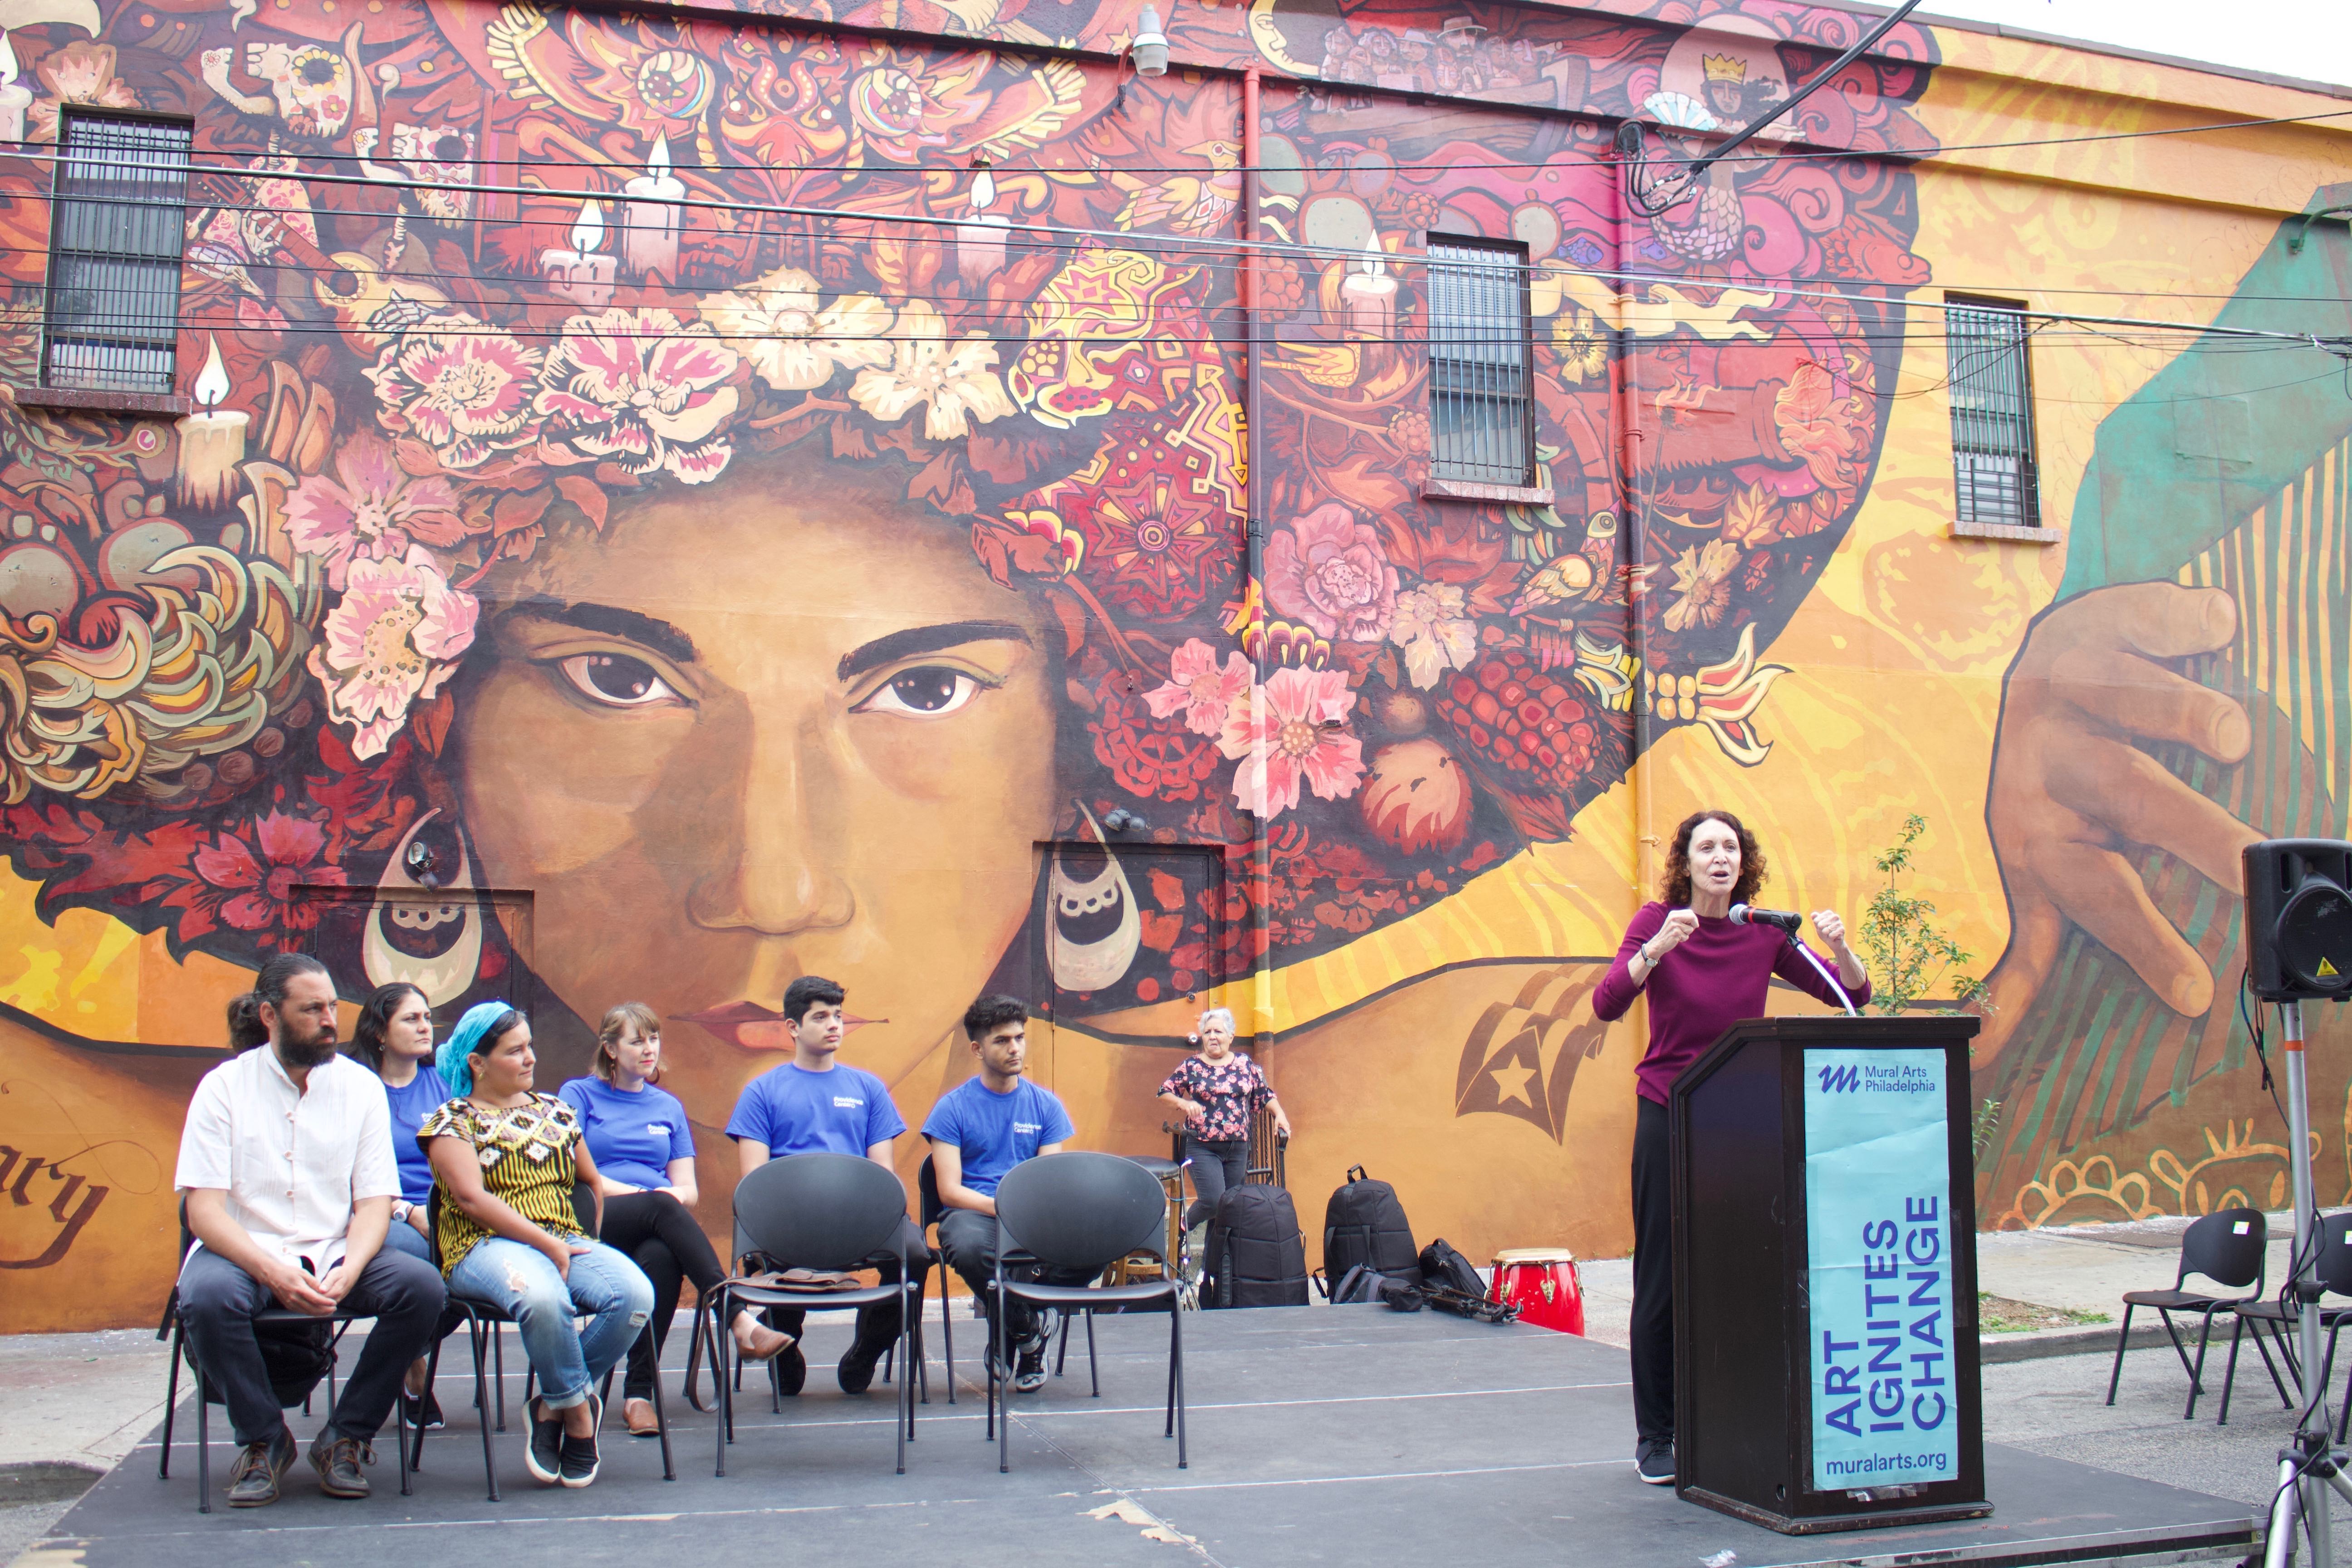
column 428, row 934
column 1094, row 929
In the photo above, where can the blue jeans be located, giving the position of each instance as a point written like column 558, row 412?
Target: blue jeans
column 401, row 1237
column 604, row 1288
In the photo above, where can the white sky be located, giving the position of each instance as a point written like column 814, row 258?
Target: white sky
column 2310, row 40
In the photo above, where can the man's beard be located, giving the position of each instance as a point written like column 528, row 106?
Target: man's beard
column 308, row 1053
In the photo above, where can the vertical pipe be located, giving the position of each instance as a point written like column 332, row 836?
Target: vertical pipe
column 1261, row 853
column 1630, row 436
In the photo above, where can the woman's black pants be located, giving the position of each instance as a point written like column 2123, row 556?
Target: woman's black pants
column 662, row 1238
column 1654, row 1276
column 1217, row 1163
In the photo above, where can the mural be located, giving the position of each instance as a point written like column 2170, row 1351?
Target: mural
column 677, row 505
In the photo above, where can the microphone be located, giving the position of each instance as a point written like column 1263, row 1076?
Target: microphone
column 1786, row 919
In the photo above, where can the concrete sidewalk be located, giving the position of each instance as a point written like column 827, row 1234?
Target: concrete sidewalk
column 72, row 1405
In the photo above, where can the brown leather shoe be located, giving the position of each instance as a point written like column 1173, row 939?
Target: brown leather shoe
column 765, row 1344
column 639, row 1415
column 337, row 1460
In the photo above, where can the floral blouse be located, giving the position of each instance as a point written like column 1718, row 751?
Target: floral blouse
column 1228, row 1093
column 527, row 1162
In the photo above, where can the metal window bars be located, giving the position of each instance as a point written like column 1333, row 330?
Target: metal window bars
column 1480, row 399
column 1992, row 416
column 118, row 226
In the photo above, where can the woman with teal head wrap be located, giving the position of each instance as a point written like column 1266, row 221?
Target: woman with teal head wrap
column 507, row 1159
column 473, row 1033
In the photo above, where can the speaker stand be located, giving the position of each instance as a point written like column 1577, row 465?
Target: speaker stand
column 2310, row 1465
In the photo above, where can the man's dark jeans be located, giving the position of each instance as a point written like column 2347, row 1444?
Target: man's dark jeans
column 217, row 1303
column 968, row 1241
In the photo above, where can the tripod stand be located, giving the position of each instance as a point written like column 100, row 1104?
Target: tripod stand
column 2309, row 1463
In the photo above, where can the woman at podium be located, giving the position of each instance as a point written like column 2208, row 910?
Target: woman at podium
column 1702, row 971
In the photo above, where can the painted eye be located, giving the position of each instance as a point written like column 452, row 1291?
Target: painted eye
column 928, row 691
column 616, row 680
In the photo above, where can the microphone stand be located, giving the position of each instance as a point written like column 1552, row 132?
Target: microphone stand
column 1823, row 971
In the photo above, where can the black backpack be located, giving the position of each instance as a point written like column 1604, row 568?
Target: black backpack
column 1441, row 1265
column 1256, row 1256
column 1360, row 1286
column 1365, row 1227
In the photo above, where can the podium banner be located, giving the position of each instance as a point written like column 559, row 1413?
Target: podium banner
column 1879, row 1270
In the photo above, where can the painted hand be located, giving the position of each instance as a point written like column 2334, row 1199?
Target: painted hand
column 2071, row 790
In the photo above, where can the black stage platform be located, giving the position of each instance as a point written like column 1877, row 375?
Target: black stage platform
column 1318, row 1435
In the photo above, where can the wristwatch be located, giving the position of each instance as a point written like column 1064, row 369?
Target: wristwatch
column 400, row 1211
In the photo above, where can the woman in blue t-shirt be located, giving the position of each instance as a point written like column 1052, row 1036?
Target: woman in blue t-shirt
column 638, row 1136
column 394, row 1036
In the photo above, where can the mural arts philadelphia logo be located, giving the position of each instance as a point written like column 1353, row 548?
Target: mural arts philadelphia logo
column 1851, row 1076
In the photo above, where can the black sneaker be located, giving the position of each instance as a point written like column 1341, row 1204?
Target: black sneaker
column 1029, row 1370
column 1654, row 1461
column 576, row 1462
column 253, row 1479
column 544, row 1454
column 425, row 1413
column 337, row 1459
column 856, row 1368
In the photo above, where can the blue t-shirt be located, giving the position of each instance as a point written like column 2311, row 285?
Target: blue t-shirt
column 846, row 1111
column 411, row 1103
column 995, row 1132
column 633, row 1135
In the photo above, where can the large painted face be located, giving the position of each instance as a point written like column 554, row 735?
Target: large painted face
column 719, row 780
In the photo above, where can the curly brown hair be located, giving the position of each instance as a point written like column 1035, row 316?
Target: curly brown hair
column 1674, row 886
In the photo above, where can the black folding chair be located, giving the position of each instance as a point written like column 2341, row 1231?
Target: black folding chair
column 2334, row 1267
column 2227, row 1248
column 172, row 1328
column 1077, row 1212
column 485, row 1321
column 930, row 1209
column 826, row 1212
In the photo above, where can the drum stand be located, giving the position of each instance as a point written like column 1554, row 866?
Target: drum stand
column 2309, row 1463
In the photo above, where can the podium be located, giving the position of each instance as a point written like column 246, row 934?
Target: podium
column 1824, row 1263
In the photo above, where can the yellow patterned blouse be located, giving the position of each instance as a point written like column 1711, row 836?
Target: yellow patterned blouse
column 527, row 1162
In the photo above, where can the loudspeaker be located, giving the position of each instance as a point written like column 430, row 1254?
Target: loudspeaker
column 2299, row 918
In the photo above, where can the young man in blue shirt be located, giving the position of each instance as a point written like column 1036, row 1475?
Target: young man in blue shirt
column 978, row 1131
column 816, row 1104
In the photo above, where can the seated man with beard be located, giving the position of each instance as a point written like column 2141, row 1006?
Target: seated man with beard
column 287, row 1167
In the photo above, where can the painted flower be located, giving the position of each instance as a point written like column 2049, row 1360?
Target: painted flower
column 791, row 339
column 1329, row 571
column 1703, row 578
column 1205, row 692
column 905, row 105
column 1435, row 629
column 1150, row 757
column 954, row 383
column 1584, row 346
column 371, row 507
column 461, row 387
column 81, row 72
column 260, row 876
column 390, row 640
column 643, row 390
column 1292, row 729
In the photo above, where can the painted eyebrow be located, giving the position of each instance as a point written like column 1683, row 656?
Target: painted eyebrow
column 926, row 639
column 613, row 621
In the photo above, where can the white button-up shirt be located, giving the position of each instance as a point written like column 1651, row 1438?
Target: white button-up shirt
column 292, row 1162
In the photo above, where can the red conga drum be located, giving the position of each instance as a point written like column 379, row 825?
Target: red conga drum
column 1541, row 1282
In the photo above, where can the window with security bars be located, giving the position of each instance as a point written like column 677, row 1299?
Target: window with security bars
column 118, row 225
column 1992, row 414
column 1479, row 396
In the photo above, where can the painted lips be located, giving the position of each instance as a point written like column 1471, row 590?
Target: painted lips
column 751, row 1027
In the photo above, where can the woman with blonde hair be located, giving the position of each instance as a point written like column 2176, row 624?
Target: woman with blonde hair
column 1218, row 1091
column 639, row 1137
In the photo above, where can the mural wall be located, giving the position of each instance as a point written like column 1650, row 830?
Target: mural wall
column 676, row 505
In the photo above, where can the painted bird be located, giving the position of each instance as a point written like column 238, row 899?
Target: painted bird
column 1558, row 581
column 1187, row 204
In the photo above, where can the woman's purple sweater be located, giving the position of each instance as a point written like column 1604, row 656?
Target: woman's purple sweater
column 1713, row 979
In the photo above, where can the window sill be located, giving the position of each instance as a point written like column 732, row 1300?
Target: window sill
column 102, row 402
column 1470, row 490
column 2013, row 534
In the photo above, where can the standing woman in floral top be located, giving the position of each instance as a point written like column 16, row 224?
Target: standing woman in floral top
column 1218, row 1092
column 506, row 1158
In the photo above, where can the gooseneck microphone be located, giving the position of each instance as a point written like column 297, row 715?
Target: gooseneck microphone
column 1786, row 919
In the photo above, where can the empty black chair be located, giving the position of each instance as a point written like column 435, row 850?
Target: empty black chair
column 280, row 1319
column 2333, row 1268
column 832, row 1212
column 483, row 1323
column 2229, row 1249
column 1078, row 1212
